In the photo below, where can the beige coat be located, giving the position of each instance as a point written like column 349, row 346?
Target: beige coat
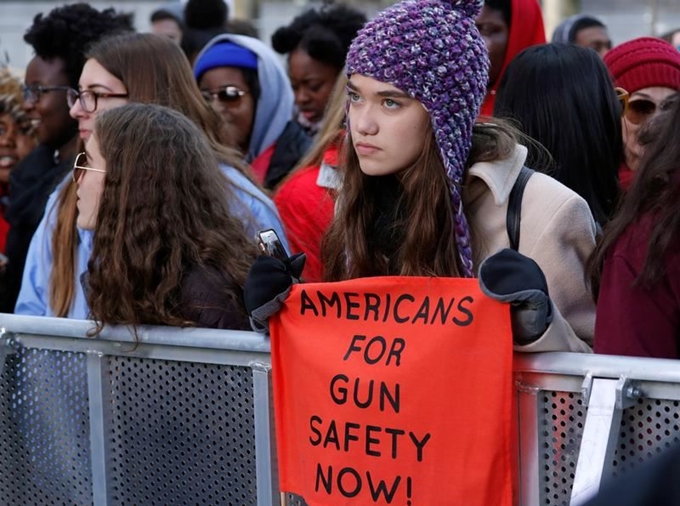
column 557, row 230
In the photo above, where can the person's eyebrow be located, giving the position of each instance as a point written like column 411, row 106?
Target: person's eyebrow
column 640, row 94
column 392, row 94
column 384, row 94
column 97, row 85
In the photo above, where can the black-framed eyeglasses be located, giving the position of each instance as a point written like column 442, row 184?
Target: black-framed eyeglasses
column 32, row 93
column 226, row 95
column 78, row 168
column 88, row 98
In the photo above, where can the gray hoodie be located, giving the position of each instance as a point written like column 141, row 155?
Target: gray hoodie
column 275, row 105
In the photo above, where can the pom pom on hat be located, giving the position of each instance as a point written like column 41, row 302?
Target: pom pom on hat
column 644, row 62
column 431, row 50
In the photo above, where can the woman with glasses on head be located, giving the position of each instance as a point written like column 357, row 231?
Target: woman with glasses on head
column 244, row 80
column 165, row 241
column 561, row 96
column 59, row 40
column 649, row 69
column 636, row 266
column 142, row 68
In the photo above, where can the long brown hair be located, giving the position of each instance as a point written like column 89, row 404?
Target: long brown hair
column 422, row 224
column 162, row 212
column 154, row 70
column 656, row 193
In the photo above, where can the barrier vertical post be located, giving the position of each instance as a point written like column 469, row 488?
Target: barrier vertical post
column 608, row 399
column 97, row 393
column 267, row 482
column 529, row 469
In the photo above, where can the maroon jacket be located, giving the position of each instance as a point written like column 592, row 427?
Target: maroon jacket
column 202, row 302
column 633, row 319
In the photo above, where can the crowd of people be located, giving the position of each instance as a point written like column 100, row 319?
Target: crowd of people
column 442, row 138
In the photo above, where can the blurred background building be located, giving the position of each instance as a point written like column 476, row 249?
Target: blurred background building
column 626, row 19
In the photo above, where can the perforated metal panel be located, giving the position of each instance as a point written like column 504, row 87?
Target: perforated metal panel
column 647, row 429
column 44, row 427
column 295, row 500
column 181, row 433
column 561, row 419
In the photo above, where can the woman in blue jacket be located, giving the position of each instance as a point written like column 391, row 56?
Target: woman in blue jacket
column 128, row 68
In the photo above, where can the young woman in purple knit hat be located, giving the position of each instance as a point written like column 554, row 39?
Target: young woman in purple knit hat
column 426, row 190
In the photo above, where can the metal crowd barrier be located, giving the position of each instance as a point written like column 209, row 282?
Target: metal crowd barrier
column 586, row 418
column 184, row 416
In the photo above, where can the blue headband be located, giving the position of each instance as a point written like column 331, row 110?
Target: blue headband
column 225, row 54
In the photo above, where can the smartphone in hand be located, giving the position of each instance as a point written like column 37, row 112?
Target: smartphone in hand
column 270, row 244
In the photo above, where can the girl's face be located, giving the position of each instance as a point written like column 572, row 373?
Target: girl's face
column 495, row 32
column 237, row 107
column 643, row 105
column 16, row 142
column 388, row 127
column 90, row 184
column 97, row 84
column 312, row 83
column 45, row 102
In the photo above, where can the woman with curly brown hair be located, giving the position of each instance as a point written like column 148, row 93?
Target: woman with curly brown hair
column 165, row 241
column 140, row 68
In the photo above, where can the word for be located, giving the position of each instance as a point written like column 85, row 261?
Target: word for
column 375, row 349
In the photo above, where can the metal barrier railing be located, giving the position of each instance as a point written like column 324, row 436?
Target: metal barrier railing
column 586, row 418
column 181, row 417
column 184, row 416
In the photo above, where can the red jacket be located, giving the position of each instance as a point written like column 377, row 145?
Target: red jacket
column 306, row 210
column 631, row 319
column 625, row 177
column 526, row 29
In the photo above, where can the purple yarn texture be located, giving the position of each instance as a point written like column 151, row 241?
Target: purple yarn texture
column 431, row 50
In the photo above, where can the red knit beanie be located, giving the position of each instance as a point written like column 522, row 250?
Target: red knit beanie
column 643, row 63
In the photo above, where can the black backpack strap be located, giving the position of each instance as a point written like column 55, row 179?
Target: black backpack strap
column 514, row 216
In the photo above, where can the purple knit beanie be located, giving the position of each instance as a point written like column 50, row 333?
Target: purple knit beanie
column 431, row 50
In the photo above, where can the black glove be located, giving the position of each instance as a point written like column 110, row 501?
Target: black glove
column 267, row 285
column 509, row 276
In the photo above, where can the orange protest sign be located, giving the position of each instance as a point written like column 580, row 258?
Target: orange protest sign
column 393, row 390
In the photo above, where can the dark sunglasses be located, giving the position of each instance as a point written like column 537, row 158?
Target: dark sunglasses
column 226, row 95
column 640, row 110
column 622, row 96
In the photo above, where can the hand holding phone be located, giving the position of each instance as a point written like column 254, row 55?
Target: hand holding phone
column 270, row 244
column 270, row 278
